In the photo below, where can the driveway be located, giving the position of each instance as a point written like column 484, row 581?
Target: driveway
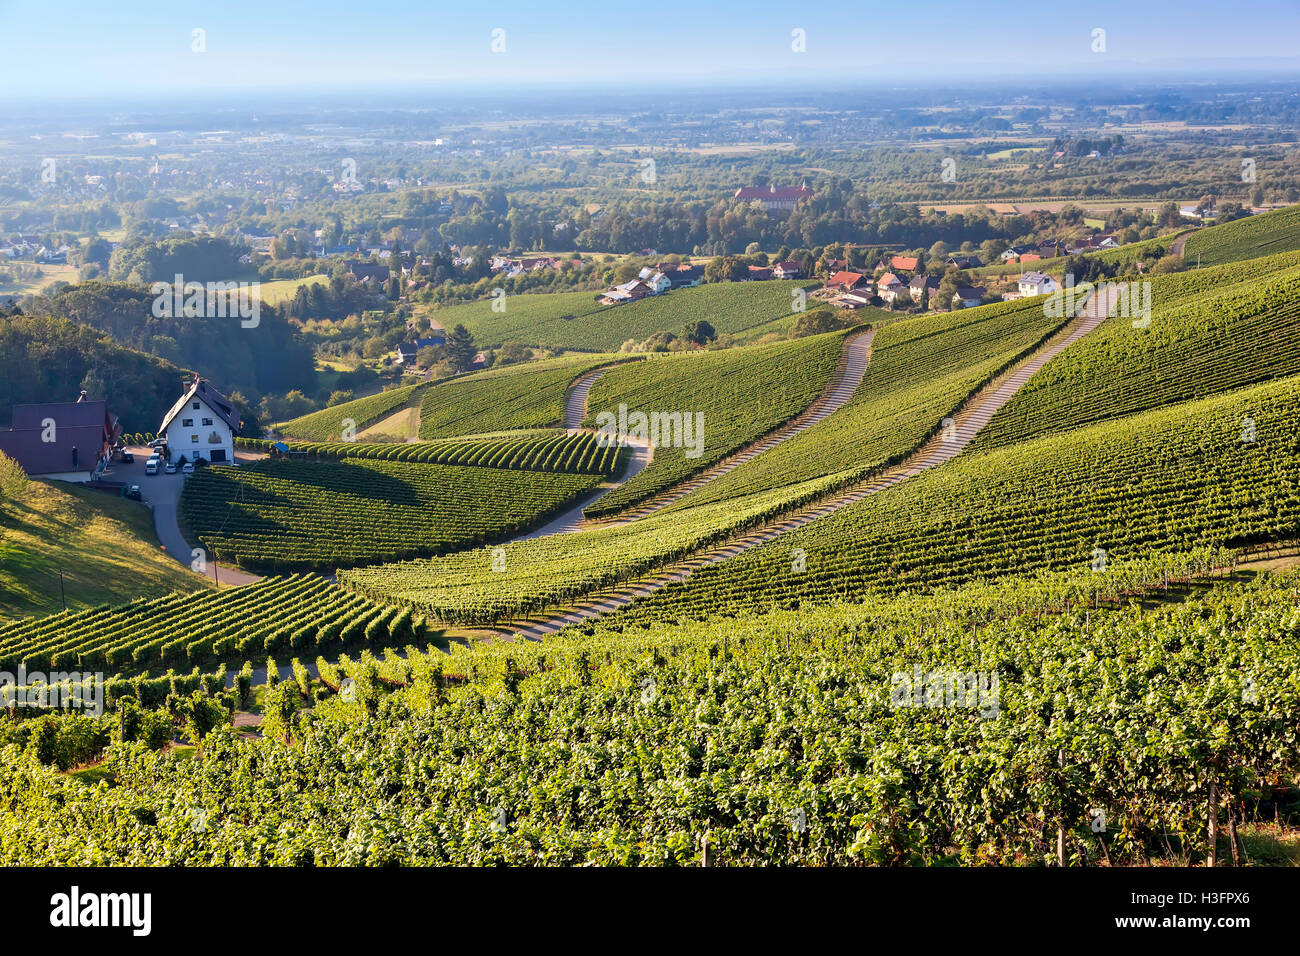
column 162, row 493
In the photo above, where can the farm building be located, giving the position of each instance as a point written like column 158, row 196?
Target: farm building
column 845, row 280
column 66, row 441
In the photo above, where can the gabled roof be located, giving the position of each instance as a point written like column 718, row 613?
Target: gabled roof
column 205, row 393
column 970, row 292
column 888, row 279
column 845, row 279
column 906, row 263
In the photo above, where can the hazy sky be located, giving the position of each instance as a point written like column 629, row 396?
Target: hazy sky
column 57, row 49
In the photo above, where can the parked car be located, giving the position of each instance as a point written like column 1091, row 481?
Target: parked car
column 127, row 457
column 158, row 443
column 187, row 468
column 170, row 468
column 151, row 466
column 132, row 492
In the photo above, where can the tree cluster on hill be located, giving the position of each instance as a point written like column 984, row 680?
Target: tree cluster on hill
column 46, row 359
column 268, row 358
column 197, row 258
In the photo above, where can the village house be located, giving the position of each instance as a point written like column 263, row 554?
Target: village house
column 787, row 270
column 1037, row 283
column 903, row 263
column 774, row 198
column 202, row 424
column 922, row 286
column 855, row 299
column 65, row 441
column 363, row 271
column 845, row 281
column 1014, row 253
column 757, row 273
column 967, row 297
column 627, row 292
column 965, row 261
column 407, row 351
column 890, row 288
column 888, row 281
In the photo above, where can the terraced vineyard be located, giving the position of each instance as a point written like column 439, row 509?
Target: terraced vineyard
column 574, row 320
column 200, row 628
column 551, row 451
column 921, row 370
column 1262, row 235
column 468, row 587
column 327, row 424
column 892, row 733
column 517, row 396
column 741, row 393
column 287, row 515
column 1165, row 481
column 1211, row 330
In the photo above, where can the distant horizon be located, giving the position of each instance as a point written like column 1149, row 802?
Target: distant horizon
column 78, row 50
column 1222, row 71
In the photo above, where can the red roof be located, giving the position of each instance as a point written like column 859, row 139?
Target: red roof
column 846, row 279
column 906, row 263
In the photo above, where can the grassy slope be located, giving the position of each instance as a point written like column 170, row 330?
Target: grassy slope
column 105, row 547
column 1262, row 235
column 574, row 320
column 326, row 424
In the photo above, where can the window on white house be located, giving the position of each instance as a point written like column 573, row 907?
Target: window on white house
column 207, row 421
column 194, row 439
column 187, row 423
column 196, row 406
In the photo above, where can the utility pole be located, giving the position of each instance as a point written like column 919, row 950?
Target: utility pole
column 62, row 594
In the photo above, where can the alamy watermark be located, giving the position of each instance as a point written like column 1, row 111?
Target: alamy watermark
column 59, row 690
column 975, row 690
column 658, row 429
column 212, row 300
column 1133, row 299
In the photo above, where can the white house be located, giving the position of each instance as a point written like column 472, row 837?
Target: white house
column 203, row 424
column 1038, row 283
column 659, row 283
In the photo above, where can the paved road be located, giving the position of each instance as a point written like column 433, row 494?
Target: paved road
column 968, row 420
column 162, row 493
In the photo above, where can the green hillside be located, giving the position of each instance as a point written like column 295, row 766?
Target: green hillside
column 1164, row 481
column 327, row 424
column 1211, row 330
column 104, row 546
column 529, row 395
column 574, row 320
column 1261, row 235
column 736, row 394
column 290, row 515
column 920, row 372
